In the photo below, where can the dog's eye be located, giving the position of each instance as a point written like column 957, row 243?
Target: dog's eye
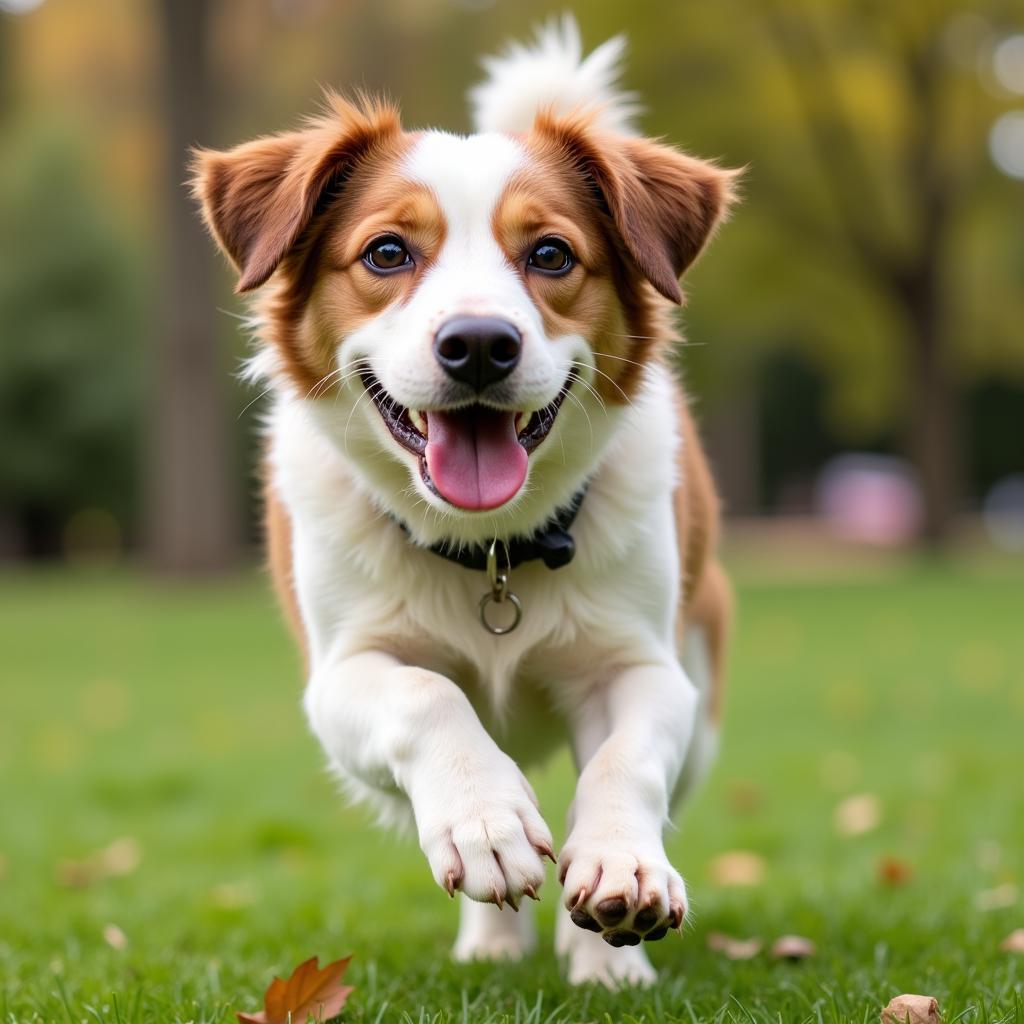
column 387, row 253
column 552, row 256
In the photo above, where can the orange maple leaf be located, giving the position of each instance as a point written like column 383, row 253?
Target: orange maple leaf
column 309, row 992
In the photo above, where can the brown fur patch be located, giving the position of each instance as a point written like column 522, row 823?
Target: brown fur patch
column 604, row 298
column 665, row 204
column 326, row 292
column 267, row 202
column 600, row 192
column 278, row 536
column 706, row 597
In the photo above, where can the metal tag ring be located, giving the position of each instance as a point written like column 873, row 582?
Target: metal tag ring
column 510, row 598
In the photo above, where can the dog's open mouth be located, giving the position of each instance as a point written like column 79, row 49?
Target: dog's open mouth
column 475, row 457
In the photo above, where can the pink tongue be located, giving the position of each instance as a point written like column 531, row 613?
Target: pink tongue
column 474, row 456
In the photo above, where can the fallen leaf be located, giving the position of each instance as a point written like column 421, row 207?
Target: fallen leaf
column 1014, row 942
column 988, row 854
column 734, row 949
column 745, row 797
column 121, row 857
column 309, row 992
column 858, row 814
column 911, row 1009
column 114, row 937
column 893, row 871
column 793, row 947
column 76, row 874
column 998, row 898
column 738, row 867
column 233, row 895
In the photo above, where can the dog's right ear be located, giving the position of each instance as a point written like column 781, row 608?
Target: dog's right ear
column 258, row 198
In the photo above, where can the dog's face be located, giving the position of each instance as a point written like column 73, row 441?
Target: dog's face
column 465, row 311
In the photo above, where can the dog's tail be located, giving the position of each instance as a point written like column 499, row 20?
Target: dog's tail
column 552, row 74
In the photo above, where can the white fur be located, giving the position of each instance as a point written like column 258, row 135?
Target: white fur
column 487, row 932
column 411, row 698
column 420, row 711
column 553, row 74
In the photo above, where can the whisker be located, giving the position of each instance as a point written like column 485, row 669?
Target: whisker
column 583, row 409
column 348, row 422
column 237, row 316
column 621, row 359
column 612, row 381
column 590, row 387
column 682, row 341
column 249, row 405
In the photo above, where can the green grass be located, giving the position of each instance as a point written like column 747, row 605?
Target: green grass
column 171, row 715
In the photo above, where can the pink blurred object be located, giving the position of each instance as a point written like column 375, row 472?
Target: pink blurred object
column 870, row 499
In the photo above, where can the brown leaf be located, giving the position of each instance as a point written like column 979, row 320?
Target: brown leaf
column 121, row 857
column 233, row 895
column 734, row 949
column 1014, row 942
column 793, row 947
column 309, row 992
column 999, row 898
column 114, row 937
column 858, row 814
column 893, row 871
column 911, row 1009
column 745, row 797
column 738, row 867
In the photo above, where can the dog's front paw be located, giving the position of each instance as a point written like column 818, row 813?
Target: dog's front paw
column 483, row 835
column 624, row 891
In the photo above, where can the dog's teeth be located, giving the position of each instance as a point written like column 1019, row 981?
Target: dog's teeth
column 522, row 421
column 419, row 421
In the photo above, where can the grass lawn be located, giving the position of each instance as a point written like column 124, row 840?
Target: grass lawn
column 170, row 715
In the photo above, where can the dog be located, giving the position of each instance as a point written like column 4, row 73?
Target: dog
column 489, row 517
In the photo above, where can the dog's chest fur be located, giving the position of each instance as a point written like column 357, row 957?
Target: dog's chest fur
column 362, row 584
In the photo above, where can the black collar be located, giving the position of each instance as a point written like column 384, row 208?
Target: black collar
column 552, row 543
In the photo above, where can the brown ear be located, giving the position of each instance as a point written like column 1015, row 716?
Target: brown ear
column 665, row 204
column 259, row 197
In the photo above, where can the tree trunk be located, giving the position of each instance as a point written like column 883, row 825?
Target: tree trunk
column 194, row 523
column 732, row 435
column 933, row 435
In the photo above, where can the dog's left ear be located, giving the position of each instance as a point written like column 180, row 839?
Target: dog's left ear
column 665, row 205
column 258, row 198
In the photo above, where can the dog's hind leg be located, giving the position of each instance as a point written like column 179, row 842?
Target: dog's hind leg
column 487, row 932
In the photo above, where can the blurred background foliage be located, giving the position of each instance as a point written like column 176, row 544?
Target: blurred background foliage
column 867, row 296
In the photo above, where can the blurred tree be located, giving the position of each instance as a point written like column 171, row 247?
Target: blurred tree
column 821, row 100
column 897, row 133
column 194, row 521
column 69, row 317
column 874, row 236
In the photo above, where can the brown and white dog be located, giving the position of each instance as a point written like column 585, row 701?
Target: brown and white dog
column 468, row 339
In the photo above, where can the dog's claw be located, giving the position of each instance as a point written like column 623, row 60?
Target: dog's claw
column 545, row 851
column 532, row 893
column 450, row 884
column 579, row 899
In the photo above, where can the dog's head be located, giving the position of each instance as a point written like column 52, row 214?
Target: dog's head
column 466, row 315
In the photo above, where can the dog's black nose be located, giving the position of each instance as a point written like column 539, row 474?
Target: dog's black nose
column 477, row 350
